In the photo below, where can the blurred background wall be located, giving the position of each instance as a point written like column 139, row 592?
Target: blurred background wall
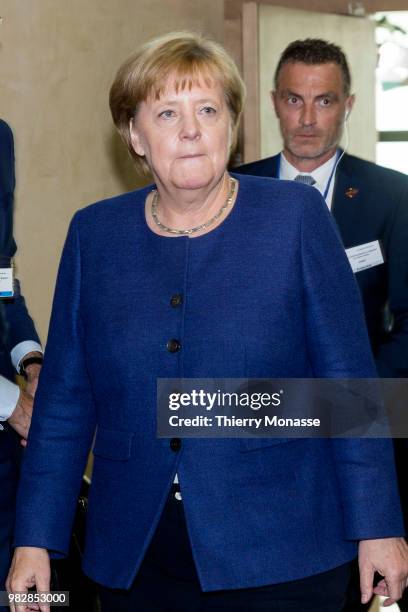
column 57, row 61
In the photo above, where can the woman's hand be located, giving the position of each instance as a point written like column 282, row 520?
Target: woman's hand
column 30, row 567
column 388, row 557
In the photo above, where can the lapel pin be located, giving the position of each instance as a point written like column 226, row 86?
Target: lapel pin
column 351, row 192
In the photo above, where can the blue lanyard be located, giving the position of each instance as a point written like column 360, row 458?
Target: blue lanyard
column 326, row 191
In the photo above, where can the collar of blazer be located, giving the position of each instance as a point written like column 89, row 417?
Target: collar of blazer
column 347, row 184
column 347, row 193
column 347, row 199
column 347, row 187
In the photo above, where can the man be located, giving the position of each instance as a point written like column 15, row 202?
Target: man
column 19, row 347
column 312, row 100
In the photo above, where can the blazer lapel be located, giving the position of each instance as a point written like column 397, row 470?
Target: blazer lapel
column 346, row 203
column 274, row 164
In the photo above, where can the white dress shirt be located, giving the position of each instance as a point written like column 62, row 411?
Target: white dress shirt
column 321, row 175
column 21, row 350
column 9, row 391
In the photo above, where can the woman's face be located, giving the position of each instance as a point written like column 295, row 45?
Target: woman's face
column 185, row 135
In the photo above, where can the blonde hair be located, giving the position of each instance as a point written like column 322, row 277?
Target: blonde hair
column 188, row 56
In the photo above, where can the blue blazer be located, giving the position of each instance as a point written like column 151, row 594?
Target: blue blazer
column 268, row 293
column 16, row 324
column 371, row 203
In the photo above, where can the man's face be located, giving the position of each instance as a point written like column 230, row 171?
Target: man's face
column 311, row 104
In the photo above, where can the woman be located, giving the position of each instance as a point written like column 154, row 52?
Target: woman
column 201, row 276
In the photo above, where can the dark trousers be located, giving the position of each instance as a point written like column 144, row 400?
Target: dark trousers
column 167, row 581
column 10, row 455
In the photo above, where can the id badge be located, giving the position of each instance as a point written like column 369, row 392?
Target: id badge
column 6, row 278
column 365, row 256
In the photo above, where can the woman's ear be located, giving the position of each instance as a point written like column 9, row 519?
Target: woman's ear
column 135, row 139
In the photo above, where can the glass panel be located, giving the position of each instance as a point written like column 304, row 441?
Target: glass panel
column 392, row 86
column 392, row 109
column 393, row 155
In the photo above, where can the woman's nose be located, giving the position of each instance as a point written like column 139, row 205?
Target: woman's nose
column 190, row 127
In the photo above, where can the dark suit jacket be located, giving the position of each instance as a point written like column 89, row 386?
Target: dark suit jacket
column 377, row 210
column 16, row 324
column 261, row 298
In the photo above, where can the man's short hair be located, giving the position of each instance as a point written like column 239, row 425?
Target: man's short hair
column 314, row 51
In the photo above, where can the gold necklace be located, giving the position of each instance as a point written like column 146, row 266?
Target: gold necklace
column 192, row 230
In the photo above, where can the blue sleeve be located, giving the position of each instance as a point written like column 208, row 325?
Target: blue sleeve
column 339, row 348
column 7, row 184
column 18, row 323
column 7, row 177
column 63, row 421
column 20, row 326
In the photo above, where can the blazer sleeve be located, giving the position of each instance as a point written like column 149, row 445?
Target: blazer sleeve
column 19, row 324
column 63, row 421
column 339, row 348
column 7, row 184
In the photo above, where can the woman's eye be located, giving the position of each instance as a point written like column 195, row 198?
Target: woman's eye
column 208, row 110
column 166, row 114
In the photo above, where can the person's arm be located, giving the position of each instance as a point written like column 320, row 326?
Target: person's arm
column 339, row 348
column 388, row 557
column 21, row 338
column 16, row 407
column 27, row 354
column 30, row 366
column 22, row 342
column 62, row 429
column 34, row 563
column 9, row 394
column 7, row 184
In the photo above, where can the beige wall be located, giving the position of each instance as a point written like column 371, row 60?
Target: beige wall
column 57, row 60
column 278, row 27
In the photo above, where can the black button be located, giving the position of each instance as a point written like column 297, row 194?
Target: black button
column 176, row 300
column 173, row 346
column 175, row 444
